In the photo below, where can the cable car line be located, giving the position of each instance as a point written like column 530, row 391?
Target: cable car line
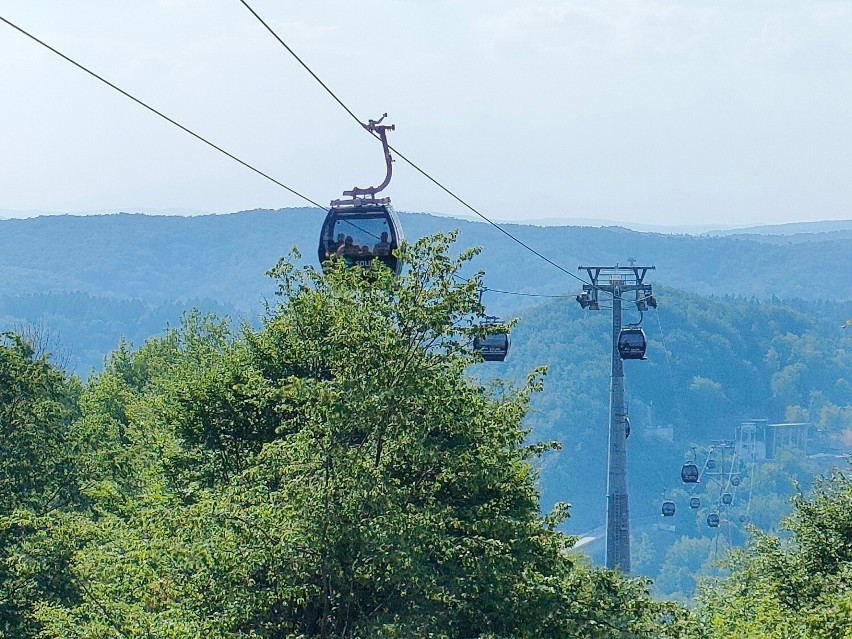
column 671, row 371
column 265, row 175
column 561, row 297
column 163, row 115
column 497, row 290
column 305, row 66
column 410, row 162
column 198, row 136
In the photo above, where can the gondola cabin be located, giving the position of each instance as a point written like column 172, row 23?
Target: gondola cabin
column 495, row 346
column 689, row 473
column 631, row 343
column 711, row 464
column 668, row 508
column 727, row 498
column 735, row 481
column 359, row 233
column 713, row 520
column 364, row 228
column 695, row 502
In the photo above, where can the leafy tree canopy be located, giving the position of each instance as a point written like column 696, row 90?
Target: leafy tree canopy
column 796, row 586
column 334, row 473
column 38, row 405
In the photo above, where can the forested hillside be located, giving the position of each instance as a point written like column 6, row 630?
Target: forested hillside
column 712, row 363
column 224, row 258
column 313, row 474
column 316, row 477
column 81, row 329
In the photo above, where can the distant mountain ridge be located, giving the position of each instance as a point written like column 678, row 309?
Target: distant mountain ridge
column 790, row 228
column 225, row 257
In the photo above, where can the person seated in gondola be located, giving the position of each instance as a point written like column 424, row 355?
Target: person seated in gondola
column 382, row 247
column 348, row 248
column 365, row 251
column 341, row 238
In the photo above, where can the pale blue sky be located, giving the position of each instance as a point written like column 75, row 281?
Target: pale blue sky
column 667, row 113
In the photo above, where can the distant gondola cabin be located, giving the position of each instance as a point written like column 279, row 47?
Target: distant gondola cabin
column 631, row 343
column 689, row 473
column 694, row 502
column 713, row 520
column 668, row 508
column 493, row 348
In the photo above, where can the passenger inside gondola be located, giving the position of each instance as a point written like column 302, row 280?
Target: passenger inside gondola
column 382, row 247
column 341, row 239
column 348, row 247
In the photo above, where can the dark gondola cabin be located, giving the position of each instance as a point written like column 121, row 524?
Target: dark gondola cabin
column 668, row 508
column 631, row 343
column 358, row 233
column 493, row 347
column 735, row 481
column 727, row 498
column 713, row 520
column 695, row 502
column 689, row 473
column 711, row 464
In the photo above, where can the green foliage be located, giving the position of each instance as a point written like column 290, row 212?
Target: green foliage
column 791, row 587
column 37, row 478
column 334, row 473
column 84, row 328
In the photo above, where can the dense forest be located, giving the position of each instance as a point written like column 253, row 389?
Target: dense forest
column 248, row 471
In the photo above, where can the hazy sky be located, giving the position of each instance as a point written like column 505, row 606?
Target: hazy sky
column 689, row 112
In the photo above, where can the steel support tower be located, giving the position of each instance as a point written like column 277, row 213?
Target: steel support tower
column 617, row 282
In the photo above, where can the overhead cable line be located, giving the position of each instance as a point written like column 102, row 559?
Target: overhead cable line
column 255, row 169
column 163, row 116
column 404, row 157
column 496, row 290
column 486, row 289
column 680, row 413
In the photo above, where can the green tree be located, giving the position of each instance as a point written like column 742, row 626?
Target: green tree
column 37, row 478
column 791, row 587
column 334, row 474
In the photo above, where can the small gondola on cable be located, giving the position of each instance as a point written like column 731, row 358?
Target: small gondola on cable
column 364, row 228
column 668, row 508
column 632, row 343
column 495, row 345
column 689, row 473
column 713, row 520
column 695, row 502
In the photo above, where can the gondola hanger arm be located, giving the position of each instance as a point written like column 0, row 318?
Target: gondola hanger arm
column 376, row 128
